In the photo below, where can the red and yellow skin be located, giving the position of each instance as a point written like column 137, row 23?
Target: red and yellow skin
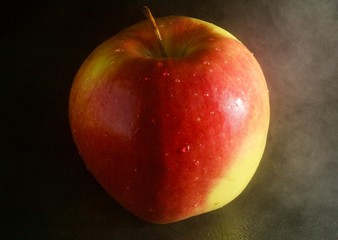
column 171, row 137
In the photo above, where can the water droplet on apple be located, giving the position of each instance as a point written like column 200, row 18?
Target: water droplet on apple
column 177, row 80
column 119, row 50
column 206, row 94
column 196, row 162
column 198, row 119
column 185, row 149
column 206, row 63
column 166, row 74
column 218, row 49
column 212, row 113
column 238, row 103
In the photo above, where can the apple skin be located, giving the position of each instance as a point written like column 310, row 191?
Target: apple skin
column 171, row 137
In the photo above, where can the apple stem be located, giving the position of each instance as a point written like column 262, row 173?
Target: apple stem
column 150, row 17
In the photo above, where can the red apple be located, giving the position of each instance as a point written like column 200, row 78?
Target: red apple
column 176, row 135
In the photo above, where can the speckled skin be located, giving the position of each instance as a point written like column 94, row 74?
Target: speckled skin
column 170, row 138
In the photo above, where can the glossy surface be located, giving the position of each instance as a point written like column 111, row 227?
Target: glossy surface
column 170, row 138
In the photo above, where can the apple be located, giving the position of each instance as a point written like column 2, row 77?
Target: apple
column 172, row 123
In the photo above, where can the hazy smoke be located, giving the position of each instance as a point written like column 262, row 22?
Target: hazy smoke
column 301, row 70
column 298, row 51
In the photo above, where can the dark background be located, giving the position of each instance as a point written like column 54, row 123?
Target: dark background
column 46, row 192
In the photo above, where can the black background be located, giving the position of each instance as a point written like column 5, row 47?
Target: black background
column 46, row 192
